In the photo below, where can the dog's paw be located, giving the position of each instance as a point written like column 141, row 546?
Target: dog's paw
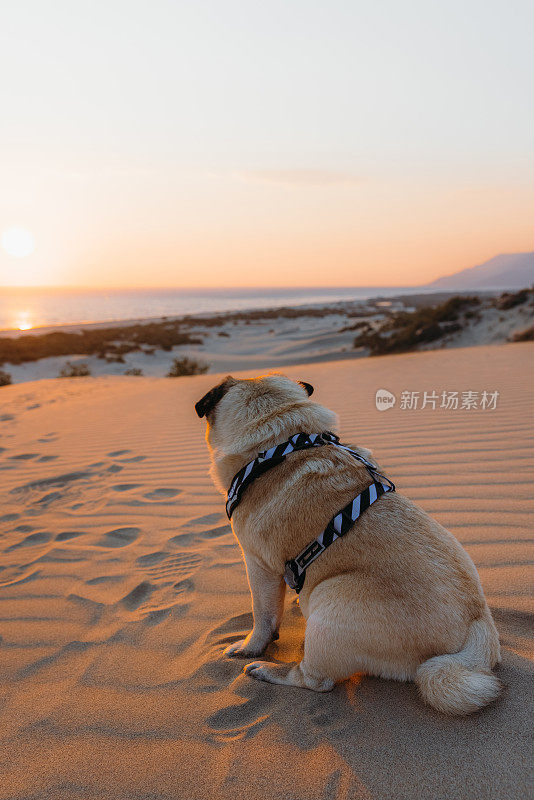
column 243, row 649
column 261, row 670
column 287, row 675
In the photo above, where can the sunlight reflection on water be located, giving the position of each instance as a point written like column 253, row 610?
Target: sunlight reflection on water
column 25, row 308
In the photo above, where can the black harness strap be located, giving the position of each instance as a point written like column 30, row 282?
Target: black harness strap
column 295, row 572
column 271, row 458
column 295, row 569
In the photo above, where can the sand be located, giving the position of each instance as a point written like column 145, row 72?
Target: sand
column 121, row 583
column 267, row 344
column 255, row 345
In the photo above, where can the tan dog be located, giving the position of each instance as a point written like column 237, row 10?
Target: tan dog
column 397, row 596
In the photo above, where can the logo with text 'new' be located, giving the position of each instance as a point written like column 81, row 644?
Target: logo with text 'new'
column 384, row 400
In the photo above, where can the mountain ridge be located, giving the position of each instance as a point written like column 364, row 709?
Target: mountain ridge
column 504, row 271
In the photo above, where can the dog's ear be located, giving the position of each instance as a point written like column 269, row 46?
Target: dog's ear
column 214, row 396
column 307, row 386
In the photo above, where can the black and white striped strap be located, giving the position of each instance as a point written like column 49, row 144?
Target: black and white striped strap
column 270, row 458
column 295, row 571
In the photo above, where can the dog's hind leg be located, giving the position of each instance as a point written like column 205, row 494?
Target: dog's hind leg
column 321, row 668
column 287, row 675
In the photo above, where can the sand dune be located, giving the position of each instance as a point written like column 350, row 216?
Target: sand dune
column 121, row 583
column 316, row 335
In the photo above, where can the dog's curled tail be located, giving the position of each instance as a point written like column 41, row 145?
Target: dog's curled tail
column 460, row 683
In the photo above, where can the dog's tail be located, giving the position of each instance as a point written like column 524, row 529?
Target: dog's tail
column 461, row 683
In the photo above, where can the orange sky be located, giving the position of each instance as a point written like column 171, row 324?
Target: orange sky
column 230, row 144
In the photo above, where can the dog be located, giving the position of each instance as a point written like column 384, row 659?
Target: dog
column 396, row 596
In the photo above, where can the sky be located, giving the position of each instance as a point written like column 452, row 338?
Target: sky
column 243, row 143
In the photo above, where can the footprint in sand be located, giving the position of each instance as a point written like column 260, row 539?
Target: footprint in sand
column 23, row 457
column 138, row 596
column 214, row 533
column 6, row 417
column 151, row 558
column 64, row 536
column 125, row 487
column 9, row 517
column 121, row 453
column 56, row 480
column 24, row 528
column 162, row 494
column 184, row 586
column 183, row 539
column 31, row 540
column 17, row 575
column 154, row 605
column 105, row 579
column 120, row 537
column 48, row 458
column 48, row 437
column 59, row 556
column 160, row 565
column 208, row 519
column 51, row 497
column 155, row 601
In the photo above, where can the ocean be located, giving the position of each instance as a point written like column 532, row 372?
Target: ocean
column 27, row 308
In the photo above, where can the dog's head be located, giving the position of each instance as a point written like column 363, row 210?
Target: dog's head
column 245, row 411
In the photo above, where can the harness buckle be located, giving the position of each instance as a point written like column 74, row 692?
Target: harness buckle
column 291, row 575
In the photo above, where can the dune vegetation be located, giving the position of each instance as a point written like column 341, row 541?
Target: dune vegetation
column 407, row 329
column 107, row 343
column 403, row 331
column 186, row 366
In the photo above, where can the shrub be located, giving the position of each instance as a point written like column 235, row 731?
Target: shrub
column 186, row 366
column 134, row 371
column 408, row 329
column 71, row 370
column 5, row 378
column 524, row 336
column 357, row 326
column 508, row 300
column 93, row 341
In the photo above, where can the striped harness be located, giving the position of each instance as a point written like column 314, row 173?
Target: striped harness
column 295, row 569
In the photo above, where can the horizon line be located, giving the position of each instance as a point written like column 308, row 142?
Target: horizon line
column 299, row 287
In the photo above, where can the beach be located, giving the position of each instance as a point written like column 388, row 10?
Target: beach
column 121, row 584
column 270, row 337
column 48, row 307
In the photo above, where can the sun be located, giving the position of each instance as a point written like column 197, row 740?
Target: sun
column 18, row 242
